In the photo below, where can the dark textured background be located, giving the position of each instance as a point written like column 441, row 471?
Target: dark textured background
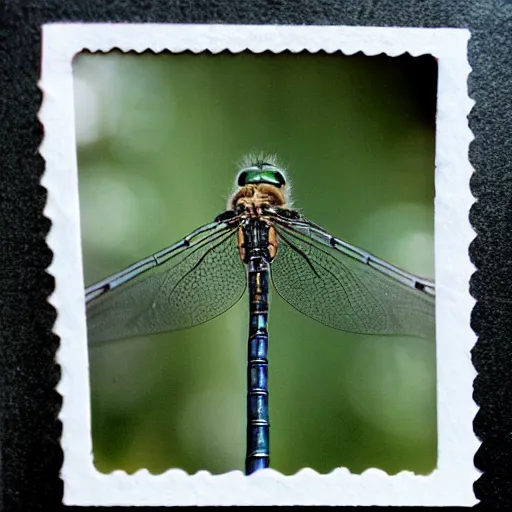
column 30, row 455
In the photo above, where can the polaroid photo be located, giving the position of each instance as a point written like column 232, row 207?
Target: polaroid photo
column 260, row 239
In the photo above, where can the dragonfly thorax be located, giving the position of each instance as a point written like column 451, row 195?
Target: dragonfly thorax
column 257, row 239
column 252, row 199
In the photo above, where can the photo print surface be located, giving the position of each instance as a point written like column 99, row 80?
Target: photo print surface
column 260, row 250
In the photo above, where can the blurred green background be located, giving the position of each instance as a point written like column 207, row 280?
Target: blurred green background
column 159, row 137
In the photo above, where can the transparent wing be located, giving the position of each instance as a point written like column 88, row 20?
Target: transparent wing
column 185, row 285
column 347, row 288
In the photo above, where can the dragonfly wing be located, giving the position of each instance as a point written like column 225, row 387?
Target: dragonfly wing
column 321, row 279
column 199, row 282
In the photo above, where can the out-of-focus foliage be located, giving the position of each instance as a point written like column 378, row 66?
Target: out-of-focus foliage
column 159, row 137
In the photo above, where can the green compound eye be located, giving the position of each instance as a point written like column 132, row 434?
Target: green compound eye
column 255, row 175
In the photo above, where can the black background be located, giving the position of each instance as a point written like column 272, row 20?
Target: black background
column 30, row 455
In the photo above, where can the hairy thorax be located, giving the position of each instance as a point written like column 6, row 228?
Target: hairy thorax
column 253, row 197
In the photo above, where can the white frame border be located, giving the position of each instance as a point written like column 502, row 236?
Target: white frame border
column 452, row 482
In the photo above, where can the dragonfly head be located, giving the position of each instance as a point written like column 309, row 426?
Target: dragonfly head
column 260, row 182
column 261, row 172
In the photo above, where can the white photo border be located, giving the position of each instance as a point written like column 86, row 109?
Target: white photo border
column 451, row 483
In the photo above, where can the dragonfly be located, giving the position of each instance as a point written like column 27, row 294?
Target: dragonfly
column 258, row 240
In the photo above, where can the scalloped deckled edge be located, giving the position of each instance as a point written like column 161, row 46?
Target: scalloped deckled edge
column 452, row 482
